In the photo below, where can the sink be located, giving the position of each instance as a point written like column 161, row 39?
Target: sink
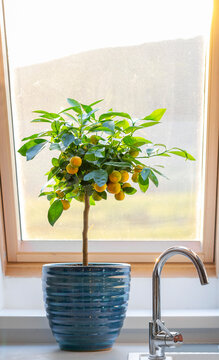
column 178, row 356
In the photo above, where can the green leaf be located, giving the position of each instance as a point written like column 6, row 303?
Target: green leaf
column 32, row 152
column 56, row 126
column 102, row 128
column 124, row 124
column 99, row 176
column 153, row 178
column 55, row 162
column 145, row 173
column 67, row 139
column 148, row 124
column 140, row 127
column 52, row 173
column 55, row 211
column 135, row 141
column 182, row 153
column 150, row 151
column 96, row 102
column 129, row 190
column 41, row 120
column 121, row 164
column 111, row 114
column 110, row 125
column 163, row 154
column 144, row 187
column 47, row 193
column 76, row 105
column 23, row 150
column 34, row 136
column 86, row 108
column 55, row 146
column 90, row 112
column 98, row 153
column 156, row 115
column 47, row 115
column 159, row 173
column 103, row 194
column 92, row 202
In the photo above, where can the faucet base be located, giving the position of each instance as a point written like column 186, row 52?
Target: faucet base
column 140, row 356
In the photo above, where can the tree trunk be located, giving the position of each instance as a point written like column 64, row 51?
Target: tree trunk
column 85, row 229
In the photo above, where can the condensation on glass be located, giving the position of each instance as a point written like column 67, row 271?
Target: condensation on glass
column 138, row 55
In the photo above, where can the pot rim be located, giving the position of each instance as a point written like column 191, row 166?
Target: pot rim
column 90, row 265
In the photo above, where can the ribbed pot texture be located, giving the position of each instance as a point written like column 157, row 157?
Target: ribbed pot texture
column 86, row 305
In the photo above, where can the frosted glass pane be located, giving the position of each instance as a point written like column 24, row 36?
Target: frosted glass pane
column 138, row 55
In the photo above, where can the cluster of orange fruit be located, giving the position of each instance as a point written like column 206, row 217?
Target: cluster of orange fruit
column 74, row 164
column 116, row 184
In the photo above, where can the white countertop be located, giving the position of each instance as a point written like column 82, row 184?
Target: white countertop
column 120, row 351
column 52, row 352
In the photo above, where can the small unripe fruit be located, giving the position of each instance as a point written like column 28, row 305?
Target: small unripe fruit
column 71, row 170
column 93, row 140
column 126, row 185
column 134, row 153
column 135, row 177
column 113, row 188
column 120, row 196
column 124, row 175
column 75, row 161
column 60, row 193
column 115, row 176
column 66, row 204
column 96, row 197
column 99, row 188
column 138, row 168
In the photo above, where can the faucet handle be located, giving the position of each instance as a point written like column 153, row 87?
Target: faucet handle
column 163, row 327
column 171, row 338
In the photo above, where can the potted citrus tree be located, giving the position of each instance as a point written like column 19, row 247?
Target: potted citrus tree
column 99, row 156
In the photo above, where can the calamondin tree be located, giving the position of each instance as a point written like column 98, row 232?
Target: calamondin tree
column 98, row 156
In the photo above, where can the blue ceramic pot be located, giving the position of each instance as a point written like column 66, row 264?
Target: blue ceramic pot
column 86, row 305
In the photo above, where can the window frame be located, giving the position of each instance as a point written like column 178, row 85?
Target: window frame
column 26, row 253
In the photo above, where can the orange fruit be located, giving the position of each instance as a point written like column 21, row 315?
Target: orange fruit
column 120, row 196
column 75, row 161
column 71, row 170
column 134, row 153
column 99, row 188
column 115, row 176
column 138, row 168
column 96, row 197
column 135, row 177
column 93, row 140
column 126, row 185
column 66, row 204
column 124, row 175
column 113, row 188
column 60, row 193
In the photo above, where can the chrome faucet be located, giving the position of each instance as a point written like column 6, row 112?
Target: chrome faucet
column 159, row 336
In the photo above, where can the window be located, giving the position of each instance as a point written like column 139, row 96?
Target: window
column 113, row 51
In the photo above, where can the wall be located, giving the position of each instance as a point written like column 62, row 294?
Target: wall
column 182, row 293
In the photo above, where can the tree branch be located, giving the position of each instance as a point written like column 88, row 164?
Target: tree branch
column 85, row 228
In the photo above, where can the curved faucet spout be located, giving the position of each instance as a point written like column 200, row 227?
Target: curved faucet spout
column 161, row 260
column 159, row 336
